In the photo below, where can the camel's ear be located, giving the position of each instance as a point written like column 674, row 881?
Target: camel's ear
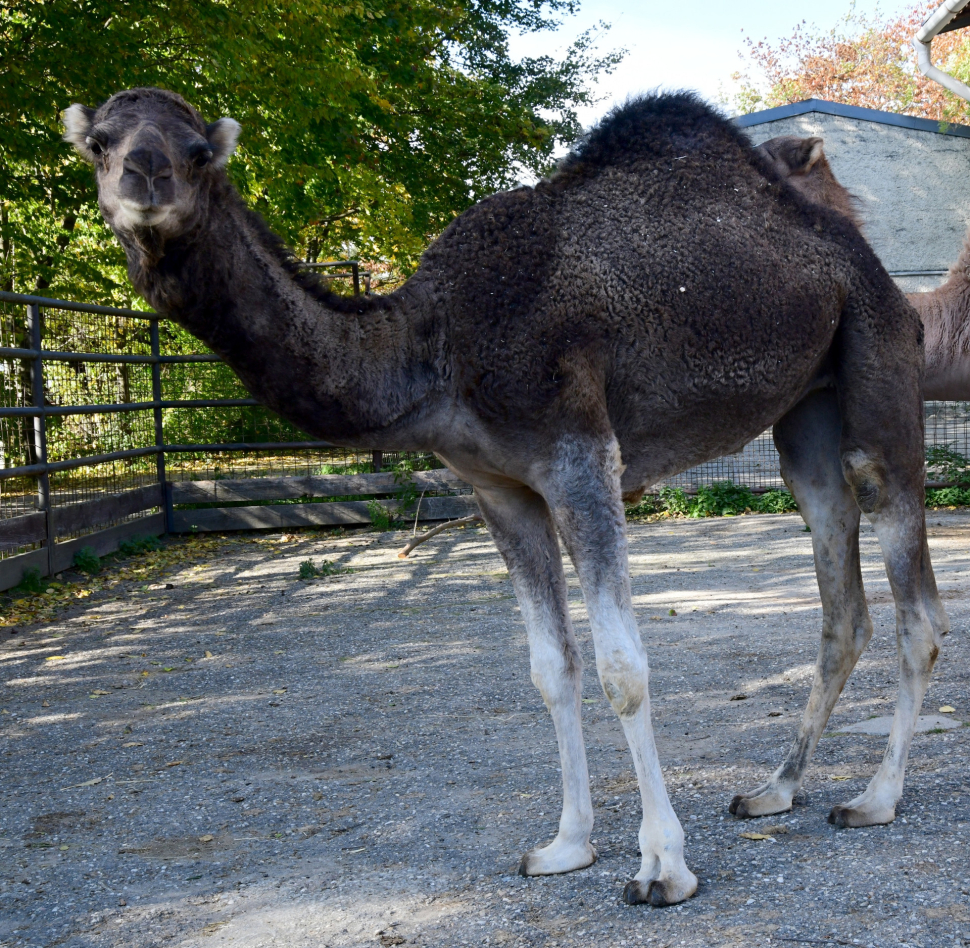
column 77, row 125
column 222, row 135
column 812, row 152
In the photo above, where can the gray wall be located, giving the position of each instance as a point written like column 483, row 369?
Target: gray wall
column 913, row 185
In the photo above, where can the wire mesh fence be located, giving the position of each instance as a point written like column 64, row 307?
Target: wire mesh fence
column 99, row 403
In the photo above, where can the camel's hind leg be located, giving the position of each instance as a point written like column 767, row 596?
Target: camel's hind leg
column 519, row 522
column 583, row 493
column 808, row 443
column 882, row 459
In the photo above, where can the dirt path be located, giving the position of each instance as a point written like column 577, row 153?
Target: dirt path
column 247, row 760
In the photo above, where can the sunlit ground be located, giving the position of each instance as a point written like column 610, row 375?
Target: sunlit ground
column 248, row 760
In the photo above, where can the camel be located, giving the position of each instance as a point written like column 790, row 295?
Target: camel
column 945, row 311
column 658, row 301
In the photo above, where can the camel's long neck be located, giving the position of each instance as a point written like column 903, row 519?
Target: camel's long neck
column 363, row 373
column 945, row 312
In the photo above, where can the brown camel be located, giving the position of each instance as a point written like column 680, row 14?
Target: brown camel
column 657, row 302
column 945, row 311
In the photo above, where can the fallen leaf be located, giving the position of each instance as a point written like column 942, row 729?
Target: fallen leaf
column 738, row 698
column 99, row 694
column 589, row 701
column 758, row 836
column 133, row 744
column 672, row 612
column 87, row 783
column 946, row 709
column 778, row 830
column 55, row 658
column 279, row 691
column 174, row 763
column 838, row 777
column 208, row 838
column 209, row 654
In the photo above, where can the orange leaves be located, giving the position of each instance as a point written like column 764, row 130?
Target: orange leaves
column 863, row 61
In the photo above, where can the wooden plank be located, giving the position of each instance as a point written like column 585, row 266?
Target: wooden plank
column 13, row 568
column 107, row 541
column 293, row 488
column 103, row 542
column 282, row 516
column 19, row 531
column 74, row 517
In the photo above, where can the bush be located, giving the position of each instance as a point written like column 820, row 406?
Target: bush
column 720, row 499
column 948, row 497
column 945, row 464
column 380, row 516
column 86, row 560
column 30, row 582
column 139, row 545
column 326, row 568
column 777, row 501
column 723, row 499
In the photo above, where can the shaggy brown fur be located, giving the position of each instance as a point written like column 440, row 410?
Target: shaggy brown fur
column 945, row 311
column 658, row 302
column 802, row 161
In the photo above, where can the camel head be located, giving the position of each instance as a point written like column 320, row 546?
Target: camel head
column 803, row 163
column 155, row 160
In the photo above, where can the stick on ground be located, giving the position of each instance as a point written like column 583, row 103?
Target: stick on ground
column 418, row 540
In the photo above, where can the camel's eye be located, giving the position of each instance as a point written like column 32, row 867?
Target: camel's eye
column 96, row 147
column 201, row 155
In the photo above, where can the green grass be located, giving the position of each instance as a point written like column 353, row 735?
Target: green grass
column 720, row 499
column 87, row 561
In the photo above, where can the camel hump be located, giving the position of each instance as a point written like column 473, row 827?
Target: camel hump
column 671, row 125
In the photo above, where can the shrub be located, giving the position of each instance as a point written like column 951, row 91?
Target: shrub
column 139, row 545
column 720, row 499
column 945, row 464
column 948, row 497
column 777, row 501
column 723, row 499
column 326, row 568
column 380, row 516
column 86, row 560
column 30, row 582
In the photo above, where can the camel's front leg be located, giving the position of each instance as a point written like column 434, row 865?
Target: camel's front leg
column 519, row 522
column 584, row 495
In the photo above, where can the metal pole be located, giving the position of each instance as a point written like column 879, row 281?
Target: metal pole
column 159, row 432
column 40, row 428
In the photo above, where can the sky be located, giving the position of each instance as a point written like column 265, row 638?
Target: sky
column 689, row 46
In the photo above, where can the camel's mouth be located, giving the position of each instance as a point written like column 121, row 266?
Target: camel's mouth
column 133, row 215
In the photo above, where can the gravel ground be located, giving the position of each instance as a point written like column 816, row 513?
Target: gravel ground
column 245, row 759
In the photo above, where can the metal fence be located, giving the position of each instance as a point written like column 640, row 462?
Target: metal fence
column 111, row 424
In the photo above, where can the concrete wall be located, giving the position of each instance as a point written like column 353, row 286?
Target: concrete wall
column 913, row 182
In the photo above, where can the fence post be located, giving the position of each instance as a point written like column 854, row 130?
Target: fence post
column 355, row 270
column 159, row 432
column 40, row 427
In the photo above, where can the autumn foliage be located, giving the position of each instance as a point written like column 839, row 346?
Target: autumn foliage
column 863, row 61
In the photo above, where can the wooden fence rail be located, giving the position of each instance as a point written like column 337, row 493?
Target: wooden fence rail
column 16, row 532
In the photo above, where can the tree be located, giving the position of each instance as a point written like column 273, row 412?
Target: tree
column 367, row 125
column 864, row 61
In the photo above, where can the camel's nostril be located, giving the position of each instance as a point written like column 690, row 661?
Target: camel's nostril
column 149, row 162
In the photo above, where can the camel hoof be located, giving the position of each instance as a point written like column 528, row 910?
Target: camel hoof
column 767, row 803
column 556, row 858
column 853, row 817
column 657, row 892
